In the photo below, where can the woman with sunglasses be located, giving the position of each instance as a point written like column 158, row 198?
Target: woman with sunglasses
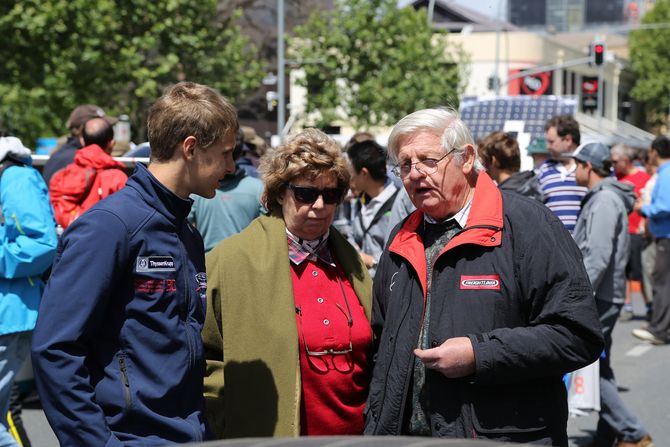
column 287, row 335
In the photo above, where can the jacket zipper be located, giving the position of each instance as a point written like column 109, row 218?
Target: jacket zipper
column 185, row 311
column 125, row 381
column 388, row 370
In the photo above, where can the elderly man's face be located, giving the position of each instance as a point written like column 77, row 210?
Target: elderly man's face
column 441, row 193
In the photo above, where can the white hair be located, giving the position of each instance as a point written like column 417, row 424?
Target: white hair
column 623, row 150
column 445, row 123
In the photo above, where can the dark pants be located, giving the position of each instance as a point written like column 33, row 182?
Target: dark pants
column 660, row 318
column 616, row 422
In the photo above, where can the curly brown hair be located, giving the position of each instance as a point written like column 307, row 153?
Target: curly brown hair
column 309, row 154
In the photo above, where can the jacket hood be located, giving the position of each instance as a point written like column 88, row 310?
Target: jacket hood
column 517, row 180
column 232, row 179
column 623, row 190
column 93, row 156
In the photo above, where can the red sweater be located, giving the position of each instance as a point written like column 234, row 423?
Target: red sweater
column 334, row 386
column 638, row 179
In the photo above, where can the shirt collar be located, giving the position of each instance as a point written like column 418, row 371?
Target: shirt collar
column 300, row 249
column 386, row 193
column 460, row 217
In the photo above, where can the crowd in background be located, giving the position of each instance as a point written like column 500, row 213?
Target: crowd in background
column 299, row 319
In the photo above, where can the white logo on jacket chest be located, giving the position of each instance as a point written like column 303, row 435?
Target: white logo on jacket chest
column 480, row 282
column 154, row 264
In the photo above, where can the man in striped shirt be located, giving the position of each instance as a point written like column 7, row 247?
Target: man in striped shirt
column 557, row 175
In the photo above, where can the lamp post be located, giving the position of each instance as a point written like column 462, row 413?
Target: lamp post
column 281, row 77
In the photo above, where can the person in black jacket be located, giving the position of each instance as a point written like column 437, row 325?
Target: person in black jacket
column 481, row 301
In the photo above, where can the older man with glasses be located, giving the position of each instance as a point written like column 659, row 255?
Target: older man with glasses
column 481, row 303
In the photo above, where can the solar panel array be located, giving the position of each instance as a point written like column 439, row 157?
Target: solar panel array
column 486, row 114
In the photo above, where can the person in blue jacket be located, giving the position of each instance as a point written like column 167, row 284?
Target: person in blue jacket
column 28, row 244
column 117, row 351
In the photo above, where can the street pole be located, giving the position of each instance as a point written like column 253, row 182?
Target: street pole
column 281, row 88
column 431, row 9
column 601, row 89
column 496, row 78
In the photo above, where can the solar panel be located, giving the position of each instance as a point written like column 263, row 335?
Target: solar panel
column 486, row 114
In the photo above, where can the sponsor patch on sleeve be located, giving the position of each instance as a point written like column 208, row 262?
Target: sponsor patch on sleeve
column 146, row 264
column 480, row 282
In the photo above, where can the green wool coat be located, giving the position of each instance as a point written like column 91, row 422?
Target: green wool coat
column 252, row 382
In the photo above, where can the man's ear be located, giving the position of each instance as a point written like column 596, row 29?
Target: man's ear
column 110, row 146
column 468, row 159
column 568, row 140
column 494, row 162
column 188, row 147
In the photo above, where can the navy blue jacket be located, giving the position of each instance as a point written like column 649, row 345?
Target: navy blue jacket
column 117, row 351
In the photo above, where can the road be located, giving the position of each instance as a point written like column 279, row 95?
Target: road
column 642, row 371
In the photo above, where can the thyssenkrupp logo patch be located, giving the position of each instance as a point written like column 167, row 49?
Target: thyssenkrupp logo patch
column 480, row 282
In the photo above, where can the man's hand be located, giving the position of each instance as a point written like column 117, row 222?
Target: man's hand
column 454, row 358
column 368, row 260
column 637, row 206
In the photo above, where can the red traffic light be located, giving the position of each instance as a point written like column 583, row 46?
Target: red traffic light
column 598, row 53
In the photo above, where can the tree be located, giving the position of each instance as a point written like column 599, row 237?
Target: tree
column 118, row 54
column 650, row 58
column 371, row 63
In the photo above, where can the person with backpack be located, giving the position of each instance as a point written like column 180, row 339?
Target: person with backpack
column 27, row 248
column 92, row 176
column 372, row 210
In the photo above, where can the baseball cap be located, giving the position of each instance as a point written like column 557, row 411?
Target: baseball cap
column 595, row 153
column 538, row 146
column 252, row 138
column 85, row 112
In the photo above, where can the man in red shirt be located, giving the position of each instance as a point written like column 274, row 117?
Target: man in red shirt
column 623, row 157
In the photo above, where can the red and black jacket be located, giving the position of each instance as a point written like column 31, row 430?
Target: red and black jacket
column 513, row 282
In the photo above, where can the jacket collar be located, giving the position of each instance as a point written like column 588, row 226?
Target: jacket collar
column 484, row 228
column 173, row 207
column 95, row 157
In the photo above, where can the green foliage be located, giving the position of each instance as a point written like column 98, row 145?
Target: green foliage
column 650, row 58
column 118, row 54
column 371, row 63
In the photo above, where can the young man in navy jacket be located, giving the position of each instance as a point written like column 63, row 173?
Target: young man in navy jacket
column 117, row 352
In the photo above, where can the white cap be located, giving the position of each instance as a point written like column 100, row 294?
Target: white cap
column 14, row 146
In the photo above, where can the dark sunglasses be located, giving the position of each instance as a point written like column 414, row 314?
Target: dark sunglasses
column 309, row 194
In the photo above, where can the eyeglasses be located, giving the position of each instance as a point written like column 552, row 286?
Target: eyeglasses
column 350, row 323
column 309, row 194
column 427, row 166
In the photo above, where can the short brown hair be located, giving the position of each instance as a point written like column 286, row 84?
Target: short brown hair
column 310, row 154
column 189, row 109
column 565, row 125
column 504, row 148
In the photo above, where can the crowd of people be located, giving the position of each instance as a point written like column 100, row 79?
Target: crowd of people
column 426, row 288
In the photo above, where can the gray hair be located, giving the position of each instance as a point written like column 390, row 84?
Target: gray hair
column 445, row 123
column 623, row 150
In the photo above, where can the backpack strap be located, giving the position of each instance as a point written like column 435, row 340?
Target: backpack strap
column 386, row 207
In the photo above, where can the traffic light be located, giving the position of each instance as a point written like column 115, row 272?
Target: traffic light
column 598, row 53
